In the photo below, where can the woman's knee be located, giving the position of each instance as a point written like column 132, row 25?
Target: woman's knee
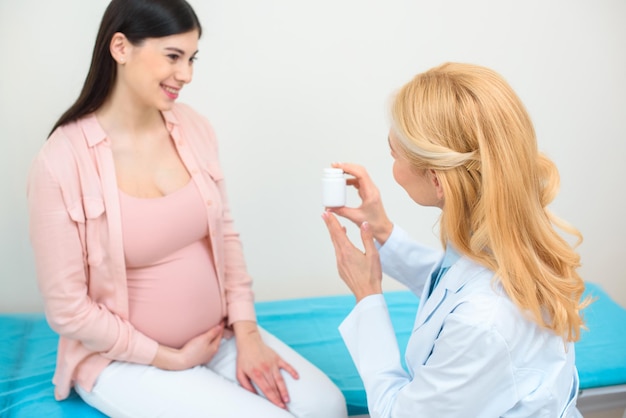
column 333, row 405
column 327, row 403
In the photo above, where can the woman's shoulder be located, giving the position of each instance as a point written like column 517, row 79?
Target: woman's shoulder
column 64, row 142
column 84, row 131
column 60, row 156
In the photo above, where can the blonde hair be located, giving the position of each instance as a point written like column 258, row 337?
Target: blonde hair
column 467, row 124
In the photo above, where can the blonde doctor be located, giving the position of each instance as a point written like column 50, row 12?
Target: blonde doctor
column 500, row 306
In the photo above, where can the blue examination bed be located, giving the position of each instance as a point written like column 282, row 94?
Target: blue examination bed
column 309, row 325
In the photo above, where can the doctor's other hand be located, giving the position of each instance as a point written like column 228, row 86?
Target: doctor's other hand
column 361, row 271
column 371, row 209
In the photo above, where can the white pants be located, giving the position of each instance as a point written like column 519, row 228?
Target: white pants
column 211, row 390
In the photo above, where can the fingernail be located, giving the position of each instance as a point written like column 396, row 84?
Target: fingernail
column 365, row 226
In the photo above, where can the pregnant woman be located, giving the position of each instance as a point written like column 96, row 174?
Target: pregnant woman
column 141, row 270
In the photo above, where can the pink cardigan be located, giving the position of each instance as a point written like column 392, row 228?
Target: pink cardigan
column 76, row 233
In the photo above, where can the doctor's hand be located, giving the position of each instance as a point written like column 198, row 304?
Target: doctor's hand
column 371, row 209
column 258, row 365
column 362, row 272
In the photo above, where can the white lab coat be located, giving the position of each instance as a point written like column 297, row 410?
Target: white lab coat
column 472, row 353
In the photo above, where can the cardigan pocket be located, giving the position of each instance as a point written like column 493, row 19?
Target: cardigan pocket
column 87, row 214
column 215, row 181
column 214, row 172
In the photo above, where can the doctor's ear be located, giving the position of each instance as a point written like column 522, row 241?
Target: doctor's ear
column 120, row 47
column 436, row 183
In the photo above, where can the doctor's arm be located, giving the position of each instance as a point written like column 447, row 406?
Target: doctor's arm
column 468, row 372
column 467, row 365
column 408, row 261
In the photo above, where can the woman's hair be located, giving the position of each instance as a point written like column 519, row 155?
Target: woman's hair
column 467, row 124
column 137, row 20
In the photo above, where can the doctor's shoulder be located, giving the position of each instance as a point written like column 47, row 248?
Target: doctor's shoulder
column 486, row 305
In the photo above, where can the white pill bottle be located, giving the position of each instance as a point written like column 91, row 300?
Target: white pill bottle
column 333, row 188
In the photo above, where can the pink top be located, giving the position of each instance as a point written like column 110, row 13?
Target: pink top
column 173, row 292
column 76, row 232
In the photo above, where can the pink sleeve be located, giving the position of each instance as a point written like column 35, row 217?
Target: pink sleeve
column 238, row 283
column 61, row 265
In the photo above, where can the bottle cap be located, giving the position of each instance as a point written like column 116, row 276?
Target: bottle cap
column 333, row 172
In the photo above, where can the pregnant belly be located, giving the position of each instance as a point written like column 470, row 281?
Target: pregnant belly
column 176, row 299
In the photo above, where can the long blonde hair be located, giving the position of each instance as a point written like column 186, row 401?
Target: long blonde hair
column 467, row 124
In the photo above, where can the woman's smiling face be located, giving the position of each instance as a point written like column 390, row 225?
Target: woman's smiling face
column 154, row 71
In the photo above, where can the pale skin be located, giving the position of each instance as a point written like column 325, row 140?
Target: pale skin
column 361, row 270
column 149, row 78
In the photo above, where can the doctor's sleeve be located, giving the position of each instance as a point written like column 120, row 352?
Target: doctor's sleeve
column 467, row 374
column 369, row 336
column 408, row 261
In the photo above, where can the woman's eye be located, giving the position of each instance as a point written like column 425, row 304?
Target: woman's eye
column 192, row 60
column 173, row 57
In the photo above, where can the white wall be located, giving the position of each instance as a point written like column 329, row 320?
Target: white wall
column 291, row 86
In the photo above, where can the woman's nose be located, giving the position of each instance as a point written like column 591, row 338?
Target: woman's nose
column 185, row 72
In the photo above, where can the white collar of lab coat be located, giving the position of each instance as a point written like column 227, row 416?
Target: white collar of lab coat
column 459, row 274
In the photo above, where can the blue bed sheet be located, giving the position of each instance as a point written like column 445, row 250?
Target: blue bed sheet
column 601, row 351
column 309, row 325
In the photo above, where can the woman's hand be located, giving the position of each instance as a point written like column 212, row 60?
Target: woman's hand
column 360, row 271
column 371, row 209
column 198, row 350
column 259, row 364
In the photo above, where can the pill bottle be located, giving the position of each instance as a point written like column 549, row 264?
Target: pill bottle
column 333, row 188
